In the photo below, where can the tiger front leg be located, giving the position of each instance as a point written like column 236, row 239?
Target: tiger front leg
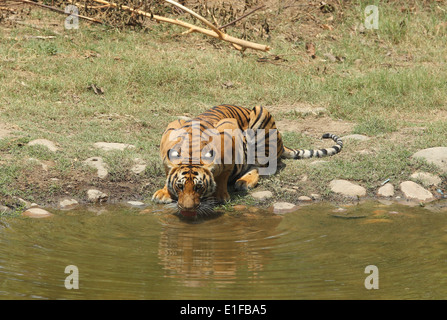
column 162, row 196
column 248, row 180
column 221, row 194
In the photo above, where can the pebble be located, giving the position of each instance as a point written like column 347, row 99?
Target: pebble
column 427, row 179
column 347, row 188
column 315, row 196
column 262, row 195
column 68, row 203
column 284, row 207
column 240, row 207
column 136, row 203
column 36, row 213
column 111, row 146
column 386, row 190
column 50, row 145
column 436, row 156
column 99, row 165
column 4, row 209
column 139, row 167
column 304, row 198
column 413, row 191
column 96, row 196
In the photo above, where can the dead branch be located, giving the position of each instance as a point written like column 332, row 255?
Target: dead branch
column 60, row 11
column 214, row 32
column 242, row 17
column 7, row 9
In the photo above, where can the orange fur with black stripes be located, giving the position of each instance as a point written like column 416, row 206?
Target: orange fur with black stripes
column 201, row 156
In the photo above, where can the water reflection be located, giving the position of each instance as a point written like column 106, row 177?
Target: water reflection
column 217, row 249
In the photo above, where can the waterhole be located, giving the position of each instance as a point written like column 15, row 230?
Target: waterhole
column 317, row 252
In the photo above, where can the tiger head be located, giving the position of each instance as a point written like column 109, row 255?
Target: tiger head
column 192, row 185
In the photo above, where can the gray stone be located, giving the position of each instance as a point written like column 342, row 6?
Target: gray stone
column 413, row 191
column 436, row 156
column 136, row 203
column 359, row 137
column 36, row 213
column 315, row 196
column 4, row 209
column 284, row 207
column 68, row 203
column 304, row 198
column 262, row 195
column 96, row 196
column 99, row 165
column 50, row 145
column 347, row 188
column 427, row 179
column 111, row 146
column 139, row 167
column 386, row 190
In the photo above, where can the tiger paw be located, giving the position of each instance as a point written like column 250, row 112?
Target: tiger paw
column 162, row 196
column 242, row 185
column 248, row 181
column 222, row 197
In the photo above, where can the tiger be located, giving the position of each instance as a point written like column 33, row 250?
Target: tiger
column 225, row 145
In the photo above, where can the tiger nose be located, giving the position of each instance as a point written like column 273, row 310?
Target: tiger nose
column 189, row 203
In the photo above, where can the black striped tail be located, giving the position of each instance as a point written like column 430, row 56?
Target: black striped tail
column 317, row 153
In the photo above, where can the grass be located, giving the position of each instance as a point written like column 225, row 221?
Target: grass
column 392, row 80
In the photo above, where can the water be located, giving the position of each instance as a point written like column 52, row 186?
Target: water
column 313, row 253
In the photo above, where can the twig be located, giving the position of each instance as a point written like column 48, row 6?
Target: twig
column 241, row 17
column 60, row 11
column 7, row 9
column 236, row 42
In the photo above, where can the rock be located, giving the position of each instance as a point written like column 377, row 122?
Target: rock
column 4, row 209
column 44, row 142
column 98, row 164
column 139, row 167
column 289, row 190
column 96, row 196
column 262, row 195
column 27, row 204
column 304, row 198
column 386, row 190
column 427, row 179
column 36, row 213
column 437, row 156
column 284, row 207
column 413, row 191
column 347, row 188
column 110, row 146
column 68, row 203
column 315, row 196
column 136, row 203
column 359, row 137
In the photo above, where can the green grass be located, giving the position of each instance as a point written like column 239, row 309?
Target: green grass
column 392, row 78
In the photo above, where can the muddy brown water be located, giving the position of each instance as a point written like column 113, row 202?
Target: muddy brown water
column 313, row 253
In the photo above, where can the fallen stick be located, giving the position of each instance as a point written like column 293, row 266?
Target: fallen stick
column 242, row 17
column 61, row 11
column 215, row 32
column 7, row 9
